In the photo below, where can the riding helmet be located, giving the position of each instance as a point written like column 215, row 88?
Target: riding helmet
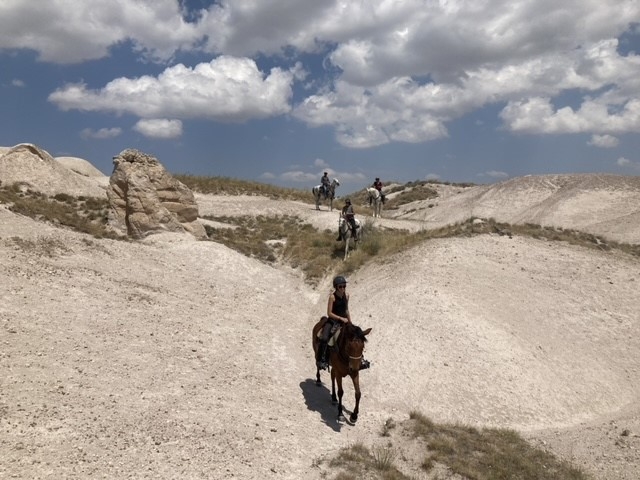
column 347, row 201
column 339, row 280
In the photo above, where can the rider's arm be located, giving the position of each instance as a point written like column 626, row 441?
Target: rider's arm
column 348, row 311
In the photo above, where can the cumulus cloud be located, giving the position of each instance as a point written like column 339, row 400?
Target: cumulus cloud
column 226, row 89
column 496, row 174
column 603, row 141
column 18, row 83
column 71, row 32
column 626, row 163
column 300, row 176
column 393, row 72
column 159, row 128
column 100, row 134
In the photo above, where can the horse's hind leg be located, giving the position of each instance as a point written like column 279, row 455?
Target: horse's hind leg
column 334, row 399
column 318, row 381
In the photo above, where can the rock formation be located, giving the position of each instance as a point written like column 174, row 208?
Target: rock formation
column 34, row 168
column 144, row 198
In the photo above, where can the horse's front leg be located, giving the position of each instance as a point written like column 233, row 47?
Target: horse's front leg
column 356, row 410
column 340, row 394
column 334, row 399
column 318, row 382
column 346, row 246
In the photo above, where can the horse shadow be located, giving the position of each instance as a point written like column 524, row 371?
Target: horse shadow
column 318, row 399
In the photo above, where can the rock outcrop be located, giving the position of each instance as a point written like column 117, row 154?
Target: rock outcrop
column 145, row 199
column 35, row 169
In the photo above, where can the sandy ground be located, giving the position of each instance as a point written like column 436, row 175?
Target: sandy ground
column 172, row 358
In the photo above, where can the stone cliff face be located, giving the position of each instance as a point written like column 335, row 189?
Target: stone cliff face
column 144, row 198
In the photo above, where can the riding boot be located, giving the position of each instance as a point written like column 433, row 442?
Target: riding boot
column 364, row 364
column 321, row 358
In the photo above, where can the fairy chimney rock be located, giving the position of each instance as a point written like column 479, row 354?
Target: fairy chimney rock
column 145, row 199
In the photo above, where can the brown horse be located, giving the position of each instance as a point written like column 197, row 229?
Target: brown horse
column 344, row 359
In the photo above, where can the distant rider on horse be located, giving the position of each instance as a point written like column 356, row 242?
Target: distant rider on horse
column 325, row 184
column 350, row 216
column 377, row 184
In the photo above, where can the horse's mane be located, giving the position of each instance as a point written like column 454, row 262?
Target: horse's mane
column 354, row 331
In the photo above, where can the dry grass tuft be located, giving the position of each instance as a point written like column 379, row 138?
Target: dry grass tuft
column 83, row 214
column 488, row 453
column 233, row 186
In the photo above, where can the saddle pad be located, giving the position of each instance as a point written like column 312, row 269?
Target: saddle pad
column 334, row 338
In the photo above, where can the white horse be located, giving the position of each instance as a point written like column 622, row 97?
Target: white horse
column 328, row 195
column 347, row 235
column 375, row 199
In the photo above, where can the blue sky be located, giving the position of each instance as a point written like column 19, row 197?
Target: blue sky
column 279, row 91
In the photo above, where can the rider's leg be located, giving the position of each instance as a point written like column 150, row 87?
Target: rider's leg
column 321, row 360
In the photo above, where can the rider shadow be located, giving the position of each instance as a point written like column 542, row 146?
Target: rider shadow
column 318, row 399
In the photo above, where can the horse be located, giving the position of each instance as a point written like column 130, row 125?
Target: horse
column 375, row 199
column 347, row 235
column 344, row 359
column 330, row 194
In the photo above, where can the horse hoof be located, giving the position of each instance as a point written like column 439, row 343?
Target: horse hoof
column 353, row 418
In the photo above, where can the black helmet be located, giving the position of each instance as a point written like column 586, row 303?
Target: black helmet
column 326, row 173
column 339, row 280
column 347, row 200
column 377, row 178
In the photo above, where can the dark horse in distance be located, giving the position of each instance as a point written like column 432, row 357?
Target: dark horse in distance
column 344, row 359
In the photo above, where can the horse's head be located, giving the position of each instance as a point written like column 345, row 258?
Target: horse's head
column 335, row 183
column 353, row 346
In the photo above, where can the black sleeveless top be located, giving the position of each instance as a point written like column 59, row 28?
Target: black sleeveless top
column 340, row 305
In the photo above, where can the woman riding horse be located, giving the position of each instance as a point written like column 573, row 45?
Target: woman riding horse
column 346, row 359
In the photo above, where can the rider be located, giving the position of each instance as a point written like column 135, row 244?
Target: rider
column 325, row 183
column 350, row 216
column 377, row 184
column 338, row 314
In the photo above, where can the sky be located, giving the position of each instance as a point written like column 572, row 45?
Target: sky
column 279, row 91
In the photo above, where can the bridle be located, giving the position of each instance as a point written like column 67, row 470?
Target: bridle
column 345, row 357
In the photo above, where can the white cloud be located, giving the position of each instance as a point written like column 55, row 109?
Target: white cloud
column 626, row 163
column 225, row 89
column 299, row 176
column 538, row 115
column 496, row 174
column 603, row 141
column 159, row 128
column 100, row 134
column 70, row 32
column 319, row 162
column 394, row 71
column 18, row 83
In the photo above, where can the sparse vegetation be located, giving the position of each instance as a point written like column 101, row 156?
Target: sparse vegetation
column 87, row 215
column 316, row 253
column 460, row 451
column 233, row 186
column 488, row 453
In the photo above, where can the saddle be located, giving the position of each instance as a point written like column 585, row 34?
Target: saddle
column 333, row 337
